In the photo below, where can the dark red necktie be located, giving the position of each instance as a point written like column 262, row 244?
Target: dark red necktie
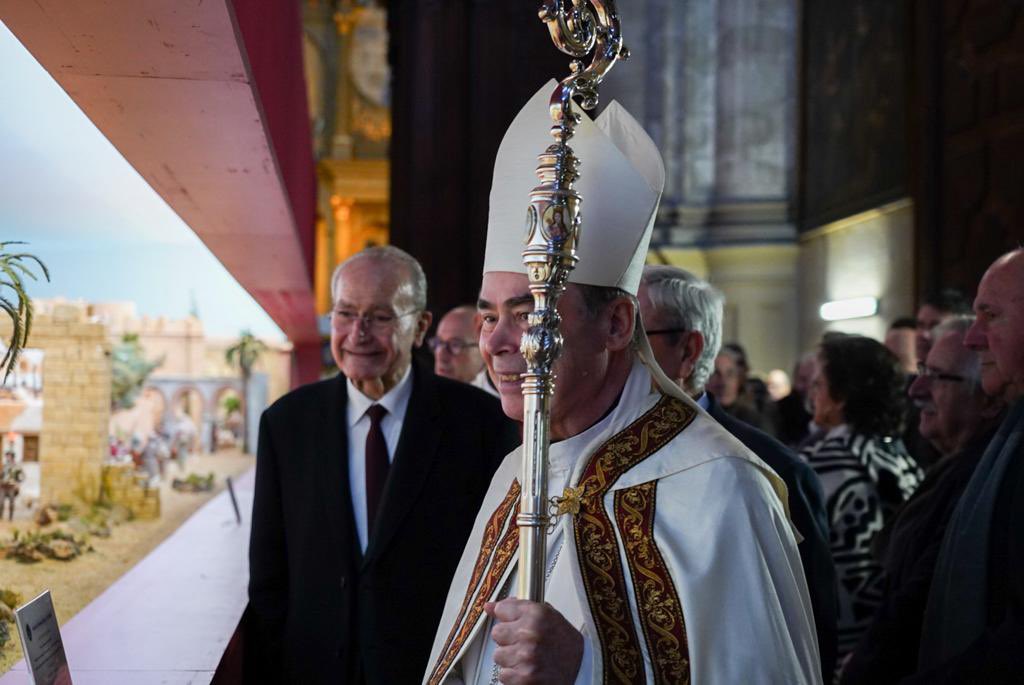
column 377, row 465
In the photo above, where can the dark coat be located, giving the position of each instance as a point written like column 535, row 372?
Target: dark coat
column 909, row 549
column 319, row 610
column 807, row 509
column 793, row 419
column 997, row 656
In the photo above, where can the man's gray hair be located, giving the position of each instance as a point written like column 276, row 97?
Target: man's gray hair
column 971, row 367
column 689, row 303
column 397, row 258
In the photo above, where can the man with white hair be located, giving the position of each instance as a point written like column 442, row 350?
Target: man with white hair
column 682, row 315
column 365, row 484
column 672, row 559
column 974, row 620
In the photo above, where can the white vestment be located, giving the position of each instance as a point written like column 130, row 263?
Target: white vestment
column 720, row 525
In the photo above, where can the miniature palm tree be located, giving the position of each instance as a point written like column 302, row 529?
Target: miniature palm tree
column 244, row 354
column 130, row 369
column 14, row 300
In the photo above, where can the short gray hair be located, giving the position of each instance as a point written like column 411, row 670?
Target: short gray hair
column 397, row 258
column 971, row 368
column 690, row 303
column 597, row 297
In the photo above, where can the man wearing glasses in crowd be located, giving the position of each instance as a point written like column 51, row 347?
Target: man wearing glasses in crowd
column 959, row 420
column 456, row 348
column 359, row 479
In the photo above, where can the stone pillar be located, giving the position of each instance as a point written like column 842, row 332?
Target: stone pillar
column 761, row 311
column 206, row 431
column 714, row 83
column 254, row 405
column 76, row 402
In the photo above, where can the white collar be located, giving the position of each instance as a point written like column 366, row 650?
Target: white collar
column 704, row 401
column 394, row 400
column 562, row 455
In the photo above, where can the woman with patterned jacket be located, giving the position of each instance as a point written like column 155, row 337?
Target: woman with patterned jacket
column 865, row 470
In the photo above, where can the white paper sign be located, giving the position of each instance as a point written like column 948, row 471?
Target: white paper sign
column 40, row 640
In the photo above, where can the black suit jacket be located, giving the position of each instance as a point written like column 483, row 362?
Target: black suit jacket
column 319, row 610
column 807, row 508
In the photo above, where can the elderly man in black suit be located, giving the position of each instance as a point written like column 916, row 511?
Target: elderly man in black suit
column 683, row 318
column 367, row 486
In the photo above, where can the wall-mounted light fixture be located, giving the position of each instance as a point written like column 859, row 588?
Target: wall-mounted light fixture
column 853, row 308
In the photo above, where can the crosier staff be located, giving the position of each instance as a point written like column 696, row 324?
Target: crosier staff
column 578, row 28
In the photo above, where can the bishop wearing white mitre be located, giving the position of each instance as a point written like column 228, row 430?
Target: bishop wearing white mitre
column 674, row 560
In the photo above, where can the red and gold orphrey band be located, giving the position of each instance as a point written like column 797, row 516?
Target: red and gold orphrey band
column 661, row 613
column 600, row 563
column 463, row 624
column 601, row 567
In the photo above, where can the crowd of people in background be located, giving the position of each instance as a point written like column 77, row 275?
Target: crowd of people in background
column 713, row 526
column 894, row 432
column 151, row 452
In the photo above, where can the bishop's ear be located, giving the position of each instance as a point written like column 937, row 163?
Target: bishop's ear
column 621, row 323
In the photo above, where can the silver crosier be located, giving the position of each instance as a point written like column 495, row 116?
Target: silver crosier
column 553, row 221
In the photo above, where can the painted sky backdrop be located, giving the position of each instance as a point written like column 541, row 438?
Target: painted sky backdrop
column 102, row 231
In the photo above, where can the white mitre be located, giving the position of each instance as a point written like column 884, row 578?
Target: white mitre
column 621, row 179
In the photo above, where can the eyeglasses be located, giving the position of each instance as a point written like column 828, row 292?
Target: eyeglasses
column 662, row 331
column 924, row 371
column 454, row 347
column 378, row 322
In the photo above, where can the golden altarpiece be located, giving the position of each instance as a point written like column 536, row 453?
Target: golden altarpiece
column 347, row 78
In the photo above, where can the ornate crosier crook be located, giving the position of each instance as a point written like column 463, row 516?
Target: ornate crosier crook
column 578, row 28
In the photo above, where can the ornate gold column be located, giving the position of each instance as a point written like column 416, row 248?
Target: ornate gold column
column 348, row 77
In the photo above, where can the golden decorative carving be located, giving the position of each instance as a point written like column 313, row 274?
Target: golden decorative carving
column 499, row 561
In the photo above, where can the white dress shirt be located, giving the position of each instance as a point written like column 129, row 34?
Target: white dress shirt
column 396, row 401
column 483, row 382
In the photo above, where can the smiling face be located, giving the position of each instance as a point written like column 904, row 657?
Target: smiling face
column 588, row 371
column 374, row 348
column 998, row 332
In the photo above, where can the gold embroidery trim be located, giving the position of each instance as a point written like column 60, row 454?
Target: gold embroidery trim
column 463, row 624
column 661, row 612
column 600, row 564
